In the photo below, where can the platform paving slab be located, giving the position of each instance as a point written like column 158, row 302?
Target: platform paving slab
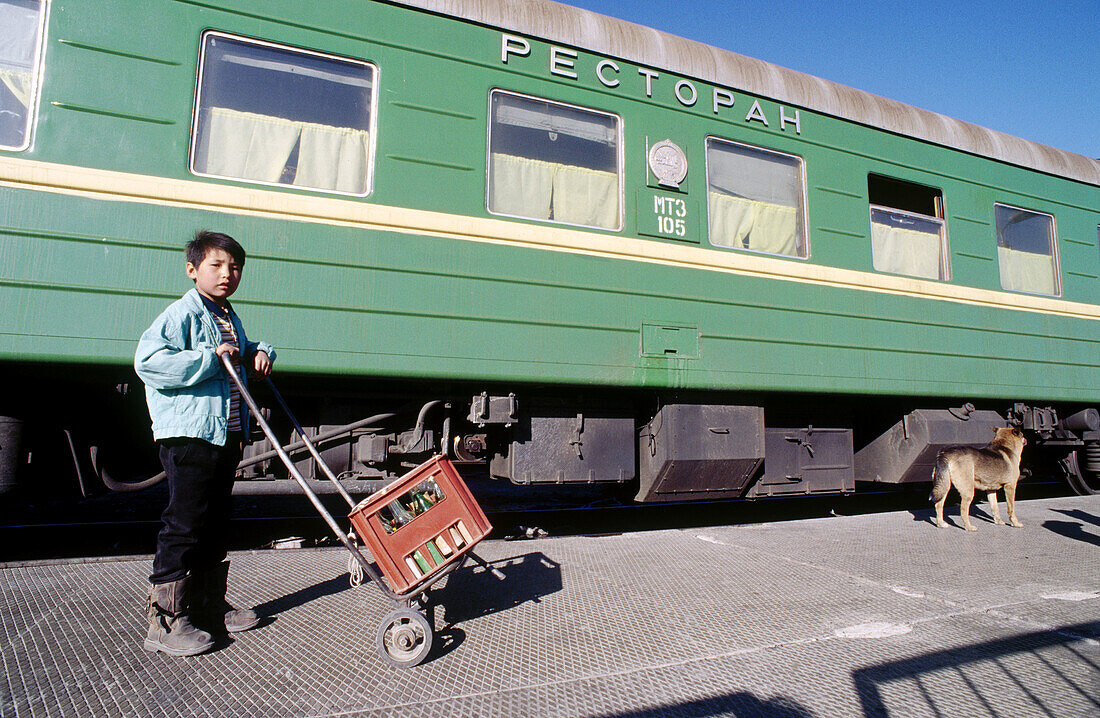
column 877, row 615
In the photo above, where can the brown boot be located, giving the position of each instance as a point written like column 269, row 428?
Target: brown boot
column 212, row 611
column 170, row 627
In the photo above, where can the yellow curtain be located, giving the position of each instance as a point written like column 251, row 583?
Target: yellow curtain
column 258, row 147
column 547, row 190
column 730, row 220
column 752, row 224
column 521, row 187
column 905, row 251
column 586, row 196
column 246, row 145
column 1026, row 271
column 333, row 158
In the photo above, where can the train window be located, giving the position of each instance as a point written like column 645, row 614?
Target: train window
column 277, row 115
column 908, row 235
column 1026, row 250
column 554, row 162
column 756, row 199
column 21, row 26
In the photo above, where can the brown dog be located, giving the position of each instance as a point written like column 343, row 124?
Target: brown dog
column 992, row 467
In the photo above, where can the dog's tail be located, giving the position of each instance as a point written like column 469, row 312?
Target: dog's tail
column 941, row 479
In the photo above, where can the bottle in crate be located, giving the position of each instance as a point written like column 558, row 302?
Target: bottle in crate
column 419, row 524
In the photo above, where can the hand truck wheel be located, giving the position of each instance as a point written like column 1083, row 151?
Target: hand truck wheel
column 405, row 638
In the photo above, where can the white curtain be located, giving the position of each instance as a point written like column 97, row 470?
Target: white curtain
column 547, row 190
column 18, row 35
column 551, row 118
column 753, row 224
column 258, row 147
column 905, row 251
column 1026, row 271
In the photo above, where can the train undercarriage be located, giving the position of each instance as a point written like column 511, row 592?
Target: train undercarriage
column 657, row 446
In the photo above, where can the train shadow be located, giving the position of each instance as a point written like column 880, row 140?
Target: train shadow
column 1072, row 530
column 890, row 689
column 739, row 705
column 1080, row 515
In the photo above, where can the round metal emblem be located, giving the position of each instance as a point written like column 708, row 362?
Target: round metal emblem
column 668, row 163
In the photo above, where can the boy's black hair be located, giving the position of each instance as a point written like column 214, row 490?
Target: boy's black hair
column 205, row 240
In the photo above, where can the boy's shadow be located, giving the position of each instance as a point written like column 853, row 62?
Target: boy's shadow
column 271, row 609
column 469, row 592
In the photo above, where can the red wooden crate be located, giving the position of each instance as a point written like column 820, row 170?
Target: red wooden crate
column 453, row 522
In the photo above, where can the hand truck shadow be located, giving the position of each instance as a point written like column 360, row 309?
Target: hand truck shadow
column 271, row 609
column 471, row 594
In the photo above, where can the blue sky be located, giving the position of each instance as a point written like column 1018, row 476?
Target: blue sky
column 1030, row 68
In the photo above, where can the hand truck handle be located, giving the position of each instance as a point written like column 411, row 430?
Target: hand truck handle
column 227, row 362
column 310, row 445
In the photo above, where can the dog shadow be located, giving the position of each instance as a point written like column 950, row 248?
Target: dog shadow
column 955, row 520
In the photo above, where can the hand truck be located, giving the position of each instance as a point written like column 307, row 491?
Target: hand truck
column 419, row 529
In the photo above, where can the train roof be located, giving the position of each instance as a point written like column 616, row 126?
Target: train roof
column 580, row 28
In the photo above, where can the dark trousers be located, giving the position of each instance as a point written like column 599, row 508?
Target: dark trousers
column 196, row 521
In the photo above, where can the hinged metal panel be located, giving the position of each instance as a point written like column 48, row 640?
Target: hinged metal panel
column 693, row 451
column 806, row 461
column 559, row 447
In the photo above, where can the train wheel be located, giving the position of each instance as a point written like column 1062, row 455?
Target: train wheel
column 1082, row 480
column 404, row 638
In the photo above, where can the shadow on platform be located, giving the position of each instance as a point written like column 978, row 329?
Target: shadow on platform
column 471, row 594
column 978, row 512
column 739, row 705
column 1072, row 530
column 1081, row 515
column 988, row 670
column 302, row 596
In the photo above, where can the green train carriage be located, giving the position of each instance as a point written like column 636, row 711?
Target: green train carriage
column 584, row 250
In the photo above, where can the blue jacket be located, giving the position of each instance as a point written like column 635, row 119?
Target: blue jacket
column 186, row 386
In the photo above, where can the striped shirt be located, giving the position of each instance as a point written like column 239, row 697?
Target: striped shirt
column 229, row 336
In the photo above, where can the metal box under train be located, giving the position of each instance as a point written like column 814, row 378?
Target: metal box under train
column 685, row 452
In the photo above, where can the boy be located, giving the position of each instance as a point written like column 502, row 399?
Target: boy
column 199, row 424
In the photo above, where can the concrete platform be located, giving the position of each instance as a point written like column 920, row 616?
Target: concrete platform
column 879, row 615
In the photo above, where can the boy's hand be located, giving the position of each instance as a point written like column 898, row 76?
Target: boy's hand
column 262, row 363
column 227, row 349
